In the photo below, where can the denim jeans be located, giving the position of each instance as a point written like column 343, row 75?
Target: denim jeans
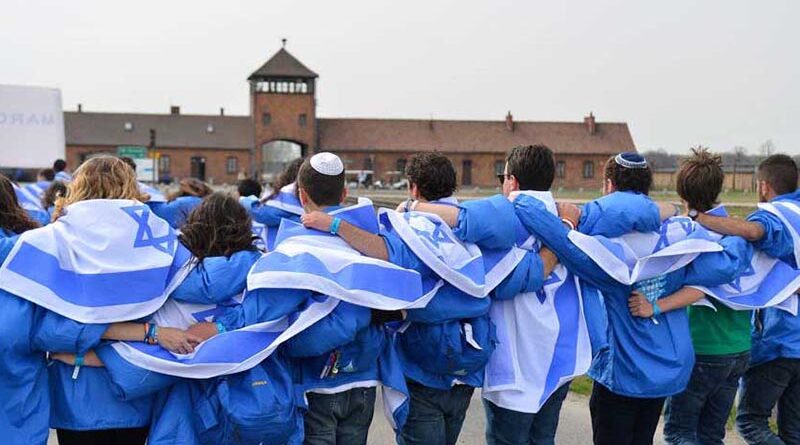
column 339, row 419
column 764, row 386
column 507, row 427
column 699, row 414
column 623, row 420
column 435, row 416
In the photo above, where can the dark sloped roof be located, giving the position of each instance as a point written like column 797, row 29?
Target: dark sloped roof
column 283, row 64
column 400, row 135
column 172, row 130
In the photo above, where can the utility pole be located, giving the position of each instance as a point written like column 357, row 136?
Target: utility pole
column 153, row 154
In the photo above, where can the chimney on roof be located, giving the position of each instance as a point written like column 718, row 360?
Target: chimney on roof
column 221, row 111
column 591, row 126
column 174, row 109
column 509, row 121
column 80, row 108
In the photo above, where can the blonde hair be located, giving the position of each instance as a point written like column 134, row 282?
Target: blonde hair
column 101, row 177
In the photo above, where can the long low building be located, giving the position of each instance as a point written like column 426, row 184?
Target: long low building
column 283, row 125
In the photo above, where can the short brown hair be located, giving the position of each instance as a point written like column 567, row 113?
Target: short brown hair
column 700, row 179
column 323, row 190
column 780, row 172
column 533, row 165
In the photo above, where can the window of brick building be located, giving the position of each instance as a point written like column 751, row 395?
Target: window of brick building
column 368, row 163
column 401, row 166
column 163, row 164
column 232, row 166
column 302, row 120
column 499, row 167
column 466, row 172
column 588, row 169
column 561, row 169
column 266, row 118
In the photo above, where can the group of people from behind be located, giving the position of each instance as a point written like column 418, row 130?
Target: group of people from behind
column 546, row 306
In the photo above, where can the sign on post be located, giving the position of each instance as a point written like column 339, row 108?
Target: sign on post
column 132, row 151
column 31, row 126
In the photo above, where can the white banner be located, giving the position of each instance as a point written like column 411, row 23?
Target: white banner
column 31, row 126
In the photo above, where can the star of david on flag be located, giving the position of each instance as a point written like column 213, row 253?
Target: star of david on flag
column 144, row 233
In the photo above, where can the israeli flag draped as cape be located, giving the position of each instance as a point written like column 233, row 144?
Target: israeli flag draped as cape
column 104, row 261
column 287, row 200
column 27, row 200
column 37, row 189
column 639, row 256
column 542, row 338
column 461, row 264
column 226, row 353
column 767, row 281
column 154, row 193
column 326, row 264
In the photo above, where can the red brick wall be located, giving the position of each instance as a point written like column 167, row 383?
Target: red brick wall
column 285, row 111
column 483, row 167
column 180, row 161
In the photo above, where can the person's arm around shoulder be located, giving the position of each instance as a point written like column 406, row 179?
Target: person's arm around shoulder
column 368, row 244
column 749, row 230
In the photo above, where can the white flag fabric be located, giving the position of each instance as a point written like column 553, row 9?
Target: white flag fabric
column 463, row 265
column 639, row 256
column 155, row 194
column 226, row 353
column 26, row 199
column 103, row 261
column 542, row 338
column 287, row 200
column 326, row 264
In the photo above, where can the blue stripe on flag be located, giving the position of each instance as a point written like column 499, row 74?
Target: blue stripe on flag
column 780, row 276
column 790, row 215
column 564, row 354
column 90, row 290
column 358, row 276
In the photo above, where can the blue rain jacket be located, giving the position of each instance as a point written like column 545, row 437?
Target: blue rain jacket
column 776, row 333
column 640, row 358
column 176, row 211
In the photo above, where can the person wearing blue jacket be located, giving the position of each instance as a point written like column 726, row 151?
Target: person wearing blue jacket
column 444, row 346
column 773, row 377
column 284, row 195
column 28, row 331
column 345, row 345
column 642, row 361
column 175, row 211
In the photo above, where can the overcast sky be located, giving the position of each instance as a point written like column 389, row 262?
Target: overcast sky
column 680, row 72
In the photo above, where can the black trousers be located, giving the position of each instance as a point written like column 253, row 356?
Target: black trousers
column 621, row 420
column 119, row 436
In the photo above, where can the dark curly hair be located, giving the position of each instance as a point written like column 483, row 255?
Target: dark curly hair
column 56, row 190
column 624, row 179
column 433, row 174
column 13, row 217
column 219, row 226
column 700, row 179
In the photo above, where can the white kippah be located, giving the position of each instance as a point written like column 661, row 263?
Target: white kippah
column 327, row 163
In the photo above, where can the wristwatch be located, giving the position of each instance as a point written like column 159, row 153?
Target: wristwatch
column 693, row 214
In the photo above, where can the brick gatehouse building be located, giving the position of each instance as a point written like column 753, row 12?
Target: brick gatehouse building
column 283, row 124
